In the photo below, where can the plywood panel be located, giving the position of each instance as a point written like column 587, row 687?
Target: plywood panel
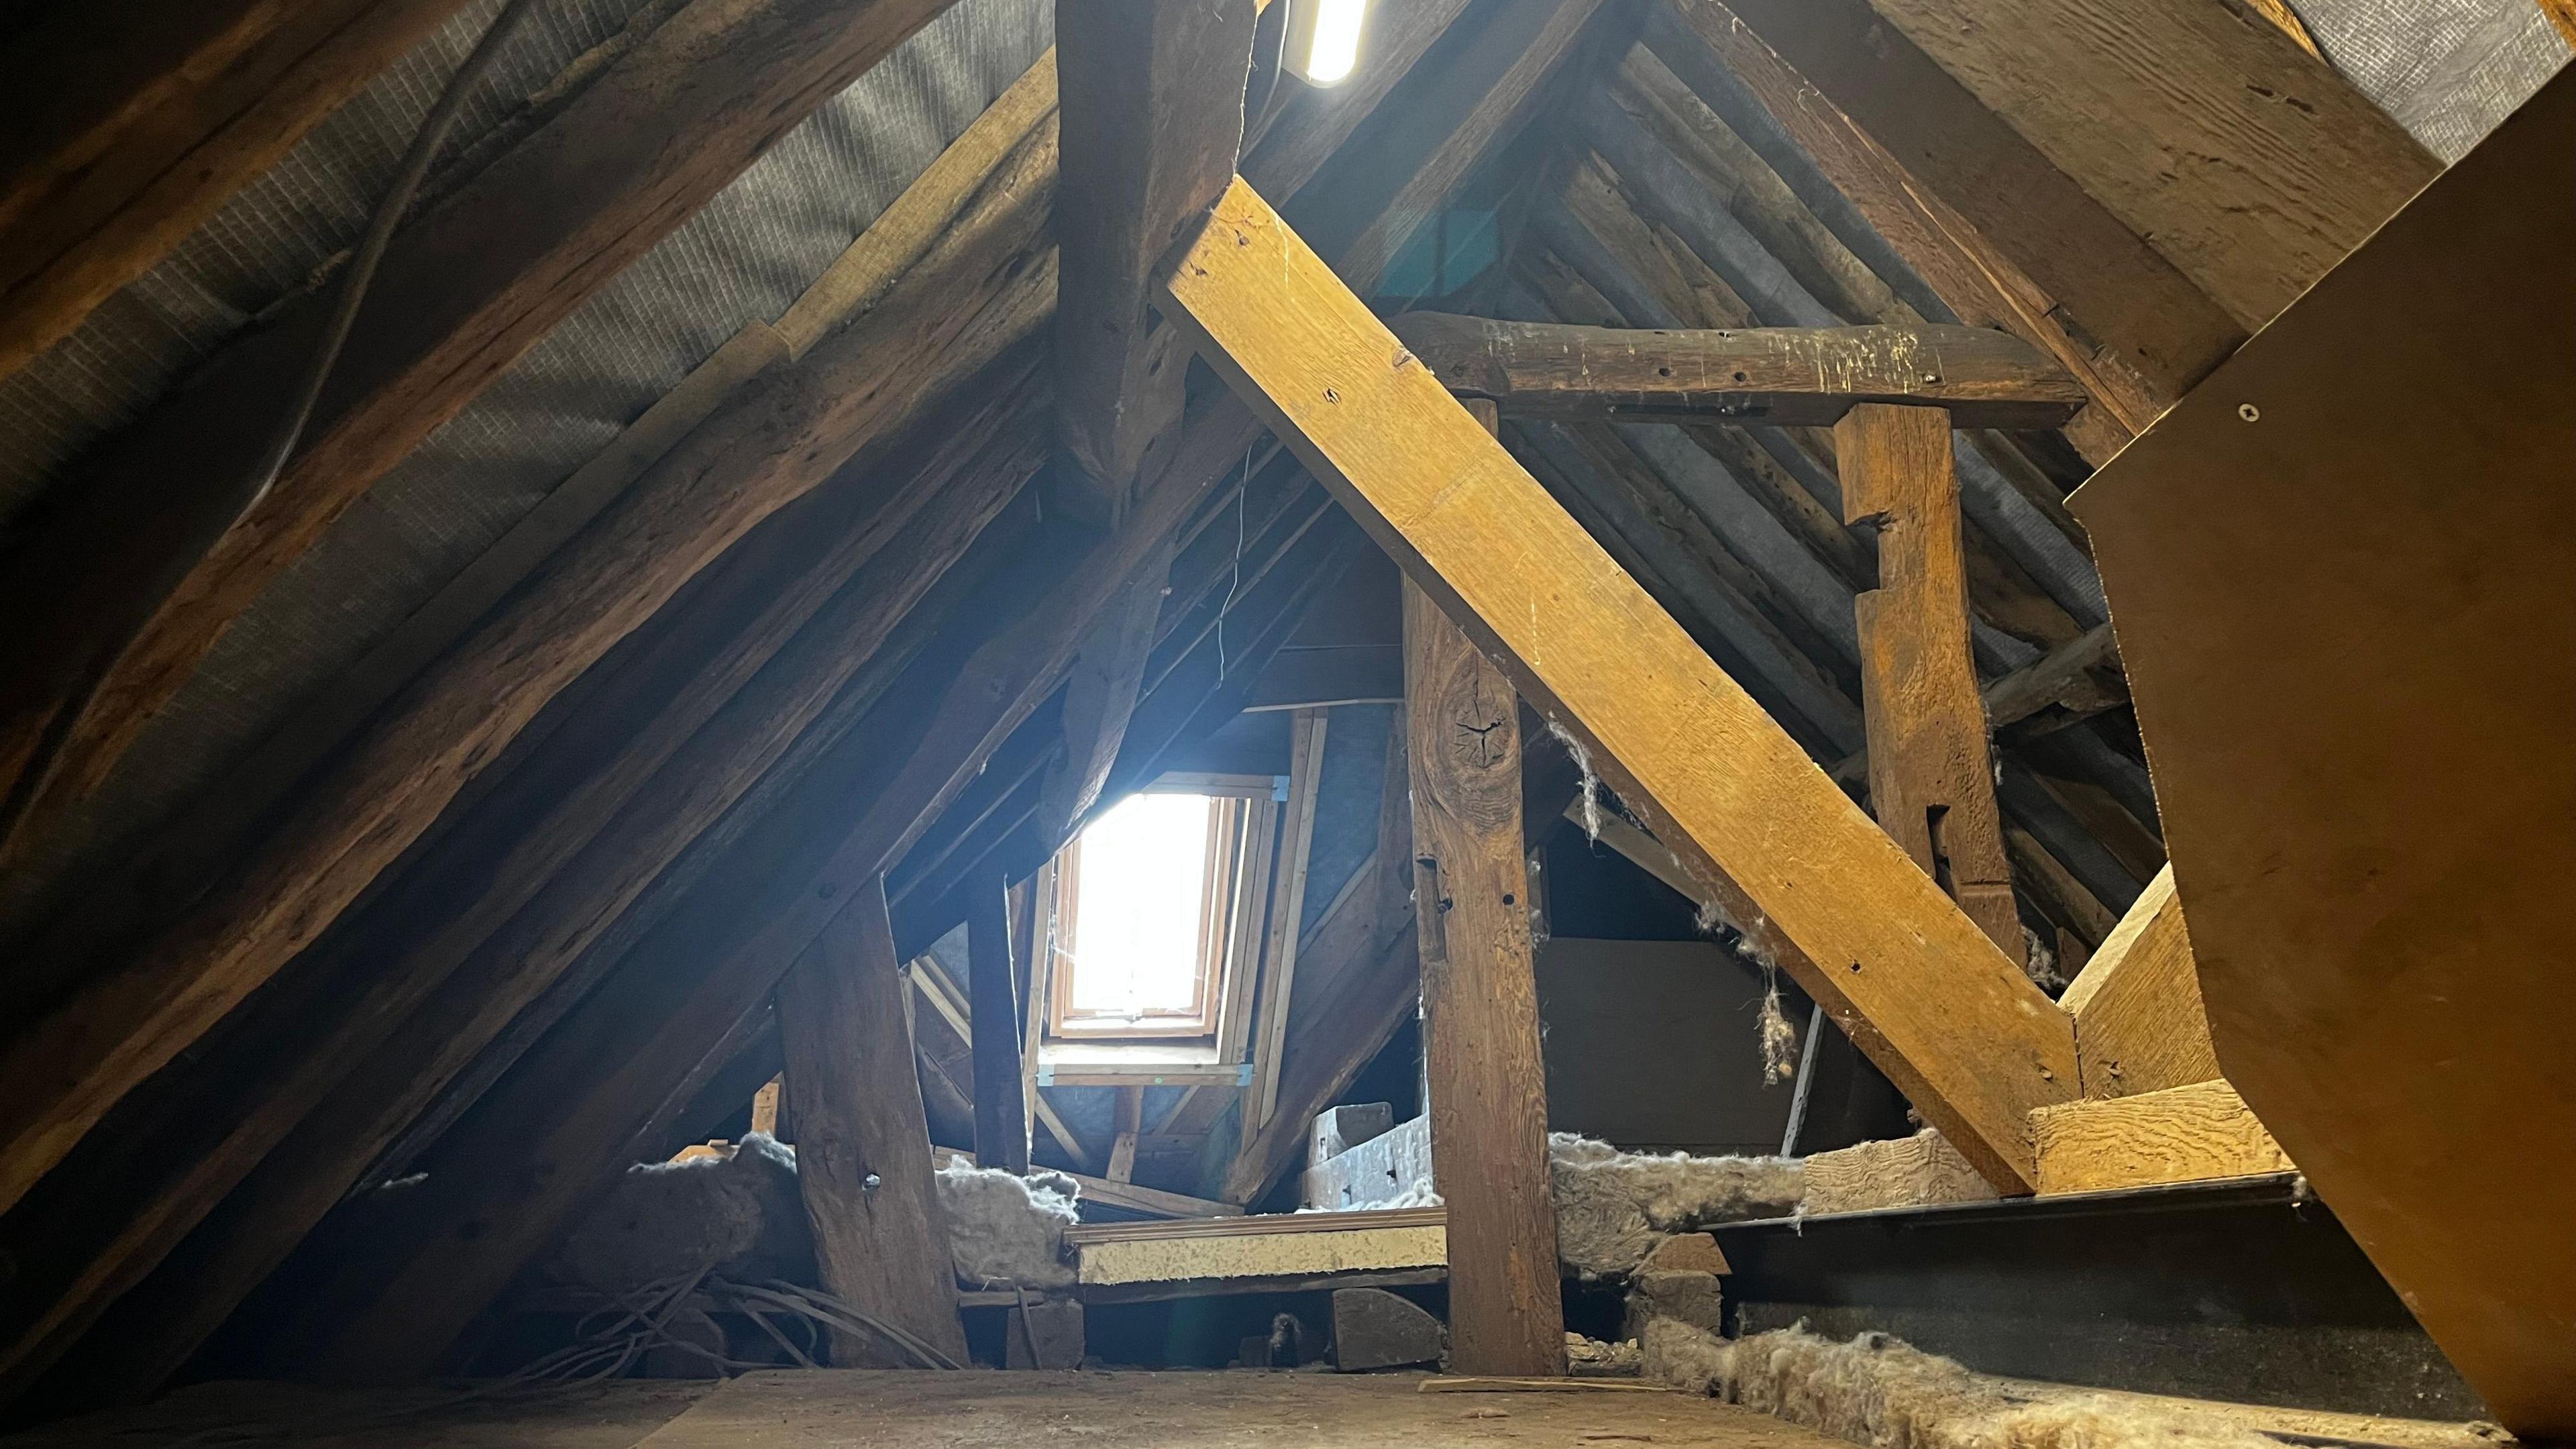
column 2347, row 630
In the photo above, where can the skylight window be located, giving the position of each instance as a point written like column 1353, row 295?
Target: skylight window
column 1143, row 900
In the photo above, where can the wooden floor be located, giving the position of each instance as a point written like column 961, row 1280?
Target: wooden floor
column 976, row 1410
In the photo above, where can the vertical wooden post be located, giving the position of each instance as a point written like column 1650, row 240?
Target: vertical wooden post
column 1480, row 1027
column 1931, row 774
column 1001, row 1111
column 1129, row 1122
column 862, row 1138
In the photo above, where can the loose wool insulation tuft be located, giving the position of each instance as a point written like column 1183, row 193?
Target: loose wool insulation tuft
column 1613, row 1207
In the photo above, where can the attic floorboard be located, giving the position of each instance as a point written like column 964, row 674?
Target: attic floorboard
column 991, row 1410
column 614, row 1415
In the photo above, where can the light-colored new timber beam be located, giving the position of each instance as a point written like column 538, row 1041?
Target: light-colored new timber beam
column 1152, row 95
column 1783, row 376
column 1931, row 774
column 862, row 1138
column 130, row 124
column 1828, row 896
column 2139, row 1024
column 2174, row 1134
column 153, row 555
column 2562, row 13
column 1480, row 1027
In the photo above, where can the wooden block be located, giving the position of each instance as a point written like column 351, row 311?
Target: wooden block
column 1687, row 1253
column 1375, row 1329
column 1044, row 1333
column 1382, row 1168
column 1338, row 1129
column 1915, row 1171
column 1691, row 1297
column 2179, row 1134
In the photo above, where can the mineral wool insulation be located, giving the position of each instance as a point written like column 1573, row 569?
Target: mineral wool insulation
column 741, row 1217
column 1882, row 1392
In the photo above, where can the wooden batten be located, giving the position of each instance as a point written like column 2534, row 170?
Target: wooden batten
column 1971, row 1041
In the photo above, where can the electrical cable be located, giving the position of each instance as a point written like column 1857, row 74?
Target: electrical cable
column 46, row 760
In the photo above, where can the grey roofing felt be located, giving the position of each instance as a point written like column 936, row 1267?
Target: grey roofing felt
column 745, row 256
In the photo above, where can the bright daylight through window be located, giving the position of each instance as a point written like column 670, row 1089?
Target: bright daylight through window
column 1142, row 901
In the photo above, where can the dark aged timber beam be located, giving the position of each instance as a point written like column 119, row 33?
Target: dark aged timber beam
column 115, row 601
column 1152, row 109
column 980, row 292
column 1970, row 1040
column 129, row 124
column 1781, row 376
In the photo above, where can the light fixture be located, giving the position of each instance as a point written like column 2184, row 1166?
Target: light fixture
column 1323, row 41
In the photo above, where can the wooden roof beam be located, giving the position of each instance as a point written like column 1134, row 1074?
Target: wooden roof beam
column 1152, row 98
column 117, row 597
column 130, row 124
column 1970, row 1040
column 1783, row 376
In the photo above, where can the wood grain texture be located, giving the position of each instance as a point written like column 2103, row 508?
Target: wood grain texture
column 1001, row 1110
column 484, row 925
column 2177, row 1134
column 867, row 793
column 1152, row 95
column 1286, row 931
column 145, row 567
column 2359, row 741
column 2139, row 1024
column 2562, row 13
column 2107, row 287
column 761, row 451
column 1971, row 1041
column 1706, row 44
column 1916, row 1171
column 862, row 1138
column 131, row 124
column 1100, row 698
column 1931, row 774
column 2207, row 130
column 1480, row 1027
column 1782, row 376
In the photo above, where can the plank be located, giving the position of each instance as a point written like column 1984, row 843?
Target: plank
column 1931, row 776
column 1971, row 1042
column 2209, row 132
column 132, row 125
column 808, row 1410
column 146, row 566
column 1152, row 94
column 1772, row 375
column 761, row 451
column 1001, row 1121
column 2174, row 1134
column 862, row 1137
column 2366, row 808
column 1363, row 1242
column 1480, row 1028
column 1287, row 917
column 1707, row 45
column 2139, row 1024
